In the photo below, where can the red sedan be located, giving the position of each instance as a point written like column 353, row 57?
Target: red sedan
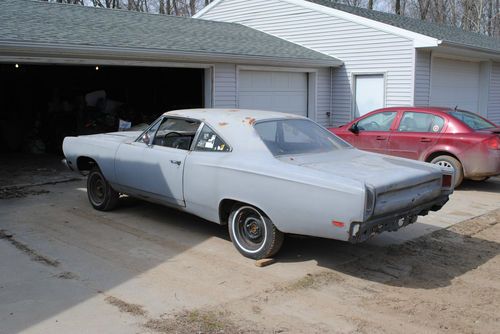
column 465, row 141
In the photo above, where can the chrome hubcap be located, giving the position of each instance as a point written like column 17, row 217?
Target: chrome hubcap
column 249, row 229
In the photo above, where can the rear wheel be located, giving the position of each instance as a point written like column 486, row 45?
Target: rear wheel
column 101, row 195
column 253, row 233
column 451, row 162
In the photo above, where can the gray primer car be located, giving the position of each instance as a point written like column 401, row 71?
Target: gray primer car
column 262, row 173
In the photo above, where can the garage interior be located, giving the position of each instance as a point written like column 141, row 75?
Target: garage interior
column 41, row 104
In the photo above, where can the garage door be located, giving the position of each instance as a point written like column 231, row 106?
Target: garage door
column 455, row 83
column 277, row 91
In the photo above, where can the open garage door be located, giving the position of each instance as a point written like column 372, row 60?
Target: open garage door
column 41, row 104
column 455, row 83
column 276, row 91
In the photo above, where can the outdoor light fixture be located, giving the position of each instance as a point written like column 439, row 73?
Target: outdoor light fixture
column 97, row 68
column 17, row 65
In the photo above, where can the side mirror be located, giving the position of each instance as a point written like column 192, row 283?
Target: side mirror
column 145, row 139
column 354, row 128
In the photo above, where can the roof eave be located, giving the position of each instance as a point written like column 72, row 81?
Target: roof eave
column 36, row 49
column 488, row 53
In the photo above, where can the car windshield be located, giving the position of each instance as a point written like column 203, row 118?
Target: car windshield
column 297, row 136
column 474, row 121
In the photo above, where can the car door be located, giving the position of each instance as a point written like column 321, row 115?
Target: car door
column 153, row 165
column 415, row 134
column 373, row 131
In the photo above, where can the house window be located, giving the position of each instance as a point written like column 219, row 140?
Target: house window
column 369, row 93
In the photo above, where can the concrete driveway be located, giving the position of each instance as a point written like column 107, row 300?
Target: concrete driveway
column 144, row 268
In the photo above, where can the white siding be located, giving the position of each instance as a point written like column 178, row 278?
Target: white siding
column 363, row 49
column 323, row 97
column 494, row 98
column 224, row 86
column 422, row 77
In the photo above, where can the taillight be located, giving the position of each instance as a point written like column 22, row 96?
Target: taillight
column 446, row 181
column 493, row 143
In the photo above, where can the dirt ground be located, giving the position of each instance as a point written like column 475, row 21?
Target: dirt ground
column 149, row 269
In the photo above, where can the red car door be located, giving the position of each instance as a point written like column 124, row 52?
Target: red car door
column 415, row 134
column 372, row 132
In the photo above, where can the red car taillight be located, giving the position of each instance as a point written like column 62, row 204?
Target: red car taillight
column 446, row 181
column 493, row 143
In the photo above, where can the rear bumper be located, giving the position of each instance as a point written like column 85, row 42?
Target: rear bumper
column 360, row 232
column 481, row 164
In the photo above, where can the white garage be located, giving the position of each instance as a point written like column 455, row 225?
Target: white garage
column 277, row 91
column 455, row 83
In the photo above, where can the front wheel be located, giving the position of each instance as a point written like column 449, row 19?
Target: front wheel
column 451, row 162
column 101, row 195
column 253, row 233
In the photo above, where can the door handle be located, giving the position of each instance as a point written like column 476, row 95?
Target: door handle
column 425, row 140
column 175, row 162
column 380, row 138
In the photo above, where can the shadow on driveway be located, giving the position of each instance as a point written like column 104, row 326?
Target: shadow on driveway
column 429, row 262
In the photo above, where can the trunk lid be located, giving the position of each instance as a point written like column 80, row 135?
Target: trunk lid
column 491, row 130
column 398, row 183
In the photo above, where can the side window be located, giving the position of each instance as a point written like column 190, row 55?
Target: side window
column 209, row 141
column 172, row 132
column 381, row 121
column 149, row 135
column 420, row 122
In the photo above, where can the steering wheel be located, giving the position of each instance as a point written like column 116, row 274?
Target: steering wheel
column 173, row 134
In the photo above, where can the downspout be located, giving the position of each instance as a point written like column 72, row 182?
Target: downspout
column 330, row 109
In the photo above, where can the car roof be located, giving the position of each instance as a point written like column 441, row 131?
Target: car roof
column 214, row 116
column 418, row 108
column 234, row 125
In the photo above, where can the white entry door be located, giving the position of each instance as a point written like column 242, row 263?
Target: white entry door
column 455, row 83
column 275, row 91
column 369, row 93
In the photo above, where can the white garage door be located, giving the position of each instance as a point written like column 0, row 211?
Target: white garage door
column 455, row 83
column 276, row 91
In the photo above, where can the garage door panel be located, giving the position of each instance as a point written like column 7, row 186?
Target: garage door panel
column 455, row 83
column 278, row 91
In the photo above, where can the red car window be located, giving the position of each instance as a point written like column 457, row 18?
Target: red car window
column 474, row 121
column 420, row 122
column 381, row 121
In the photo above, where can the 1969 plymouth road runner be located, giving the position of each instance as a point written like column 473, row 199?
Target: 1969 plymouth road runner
column 261, row 173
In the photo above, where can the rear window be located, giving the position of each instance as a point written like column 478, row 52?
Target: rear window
column 472, row 120
column 297, row 136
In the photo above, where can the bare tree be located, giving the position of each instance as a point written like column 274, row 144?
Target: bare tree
column 472, row 15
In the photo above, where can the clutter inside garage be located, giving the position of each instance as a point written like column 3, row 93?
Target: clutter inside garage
column 41, row 104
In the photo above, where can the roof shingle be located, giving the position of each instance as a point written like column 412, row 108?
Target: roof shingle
column 29, row 21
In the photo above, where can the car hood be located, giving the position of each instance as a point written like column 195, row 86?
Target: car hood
column 118, row 137
column 385, row 173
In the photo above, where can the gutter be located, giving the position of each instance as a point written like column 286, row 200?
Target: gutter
column 36, row 49
column 495, row 54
